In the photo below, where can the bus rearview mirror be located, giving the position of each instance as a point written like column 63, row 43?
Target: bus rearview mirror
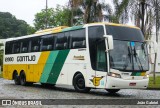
column 109, row 42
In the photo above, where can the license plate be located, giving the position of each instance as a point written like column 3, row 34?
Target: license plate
column 132, row 84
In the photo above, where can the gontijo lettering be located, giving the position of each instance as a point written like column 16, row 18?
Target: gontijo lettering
column 26, row 58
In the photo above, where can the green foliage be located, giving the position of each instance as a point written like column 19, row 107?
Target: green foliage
column 42, row 17
column 60, row 16
column 77, row 13
column 121, row 13
column 1, row 75
column 92, row 10
column 154, row 86
column 12, row 27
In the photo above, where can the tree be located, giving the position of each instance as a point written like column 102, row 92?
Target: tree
column 40, row 19
column 12, row 27
column 92, row 9
column 121, row 13
column 141, row 12
column 60, row 16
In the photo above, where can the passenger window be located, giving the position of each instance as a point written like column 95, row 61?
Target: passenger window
column 16, row 47
column 77, row 39
column 61, row 42
column 35, row 45
column 48, row 43
column 25, row 46
column 8, row 48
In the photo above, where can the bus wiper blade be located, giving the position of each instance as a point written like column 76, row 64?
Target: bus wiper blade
column 129, row 55
column 136, row 57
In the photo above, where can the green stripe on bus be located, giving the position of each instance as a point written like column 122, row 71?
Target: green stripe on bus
column 57, row 66
column 136, row 74
column 48, row 66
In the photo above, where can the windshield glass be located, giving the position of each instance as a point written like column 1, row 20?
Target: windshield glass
column 129, row 56
column 125, row 33
column 129, row 53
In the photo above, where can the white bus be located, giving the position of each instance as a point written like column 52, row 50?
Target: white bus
column 98, row 55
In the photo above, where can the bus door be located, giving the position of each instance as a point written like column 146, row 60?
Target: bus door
column 101, row 66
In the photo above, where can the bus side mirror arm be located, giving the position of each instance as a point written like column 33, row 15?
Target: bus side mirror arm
column 109, row 42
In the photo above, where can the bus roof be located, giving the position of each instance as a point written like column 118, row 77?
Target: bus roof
column 113, row 24
column 66, row 28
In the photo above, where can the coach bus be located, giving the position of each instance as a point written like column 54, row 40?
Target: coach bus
column 97, row 55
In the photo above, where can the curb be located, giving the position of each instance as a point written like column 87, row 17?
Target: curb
column 153, row 89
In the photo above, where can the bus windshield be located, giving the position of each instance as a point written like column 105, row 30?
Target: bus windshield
column 129, row 56
column 130, row 51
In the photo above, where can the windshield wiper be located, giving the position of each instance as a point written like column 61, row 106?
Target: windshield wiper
column 130, row 58
column 129, row 54
column 136, row 57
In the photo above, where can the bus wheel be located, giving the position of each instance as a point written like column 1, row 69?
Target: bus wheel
column 23, row 79
column 16, row 78
column 112, row 90
column 79, row 83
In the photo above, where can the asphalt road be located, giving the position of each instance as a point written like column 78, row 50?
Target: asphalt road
column 8, row 90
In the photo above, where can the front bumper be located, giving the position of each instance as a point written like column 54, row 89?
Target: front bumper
column 118, row 83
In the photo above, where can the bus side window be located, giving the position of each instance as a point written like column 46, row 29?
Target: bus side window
column 77, row 39
column 47, row 43
column 25, row 46
column 8, row 48
column 35, row 45
column 95, row 33
column 61, row 42
column 16, row 47
column 66, row 44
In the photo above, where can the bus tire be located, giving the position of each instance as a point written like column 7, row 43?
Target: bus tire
column 16, row 78
column 23, row 79
column 79, row 84
column 112, row 91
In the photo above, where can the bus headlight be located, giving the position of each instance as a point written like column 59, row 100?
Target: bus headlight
column 114, row 75
column 146, row 76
